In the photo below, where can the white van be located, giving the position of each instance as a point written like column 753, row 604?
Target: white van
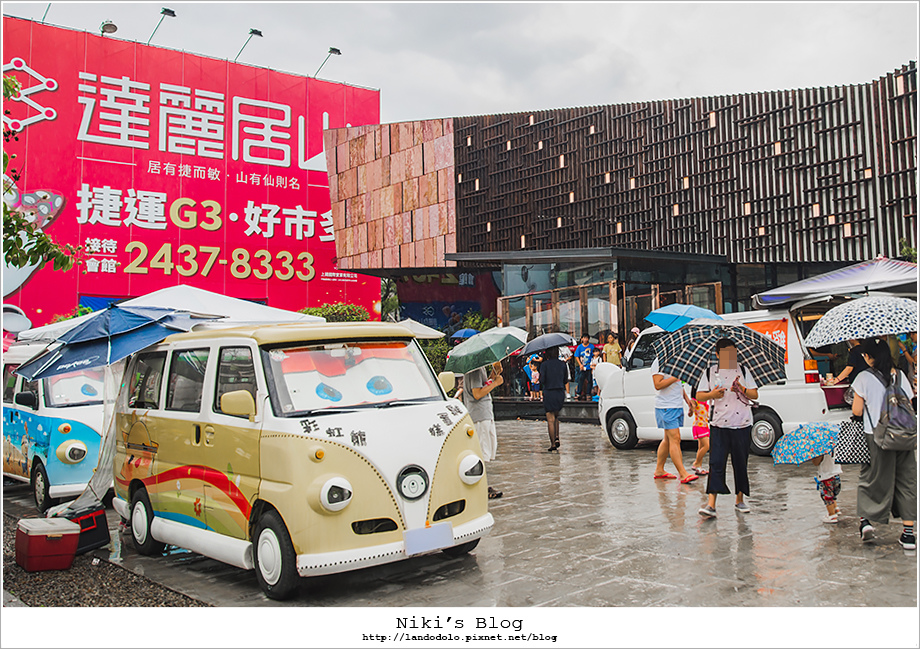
column 626, row 403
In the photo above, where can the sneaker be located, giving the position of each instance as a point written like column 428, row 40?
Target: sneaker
column 908, row 541
column 866, row 531
column 707, row 512
column 830, row 518
column 743, row 508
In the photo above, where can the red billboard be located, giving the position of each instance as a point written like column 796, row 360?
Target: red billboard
column 171, row 168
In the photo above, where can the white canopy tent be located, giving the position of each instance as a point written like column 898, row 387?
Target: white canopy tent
column 875, row 275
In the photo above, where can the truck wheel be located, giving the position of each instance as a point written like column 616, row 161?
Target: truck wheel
column 460, row 550
column 40, row 485
column 621, row 429
column 767, row 429
column 141, row 520
column 274, row 557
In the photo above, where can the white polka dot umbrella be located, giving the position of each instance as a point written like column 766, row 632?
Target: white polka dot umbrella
column 865, row 317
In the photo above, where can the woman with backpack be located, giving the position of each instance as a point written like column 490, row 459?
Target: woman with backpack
column 888, row 484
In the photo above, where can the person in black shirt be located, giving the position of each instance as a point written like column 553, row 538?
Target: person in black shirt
column 554, row 379
column 855, row 364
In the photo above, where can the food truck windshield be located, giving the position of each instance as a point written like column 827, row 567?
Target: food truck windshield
column 80, row 388
column 348, row 375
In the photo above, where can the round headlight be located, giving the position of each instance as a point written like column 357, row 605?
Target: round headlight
column 471, row 469
column 412, row 482
column 336, row 494
column 71, row 451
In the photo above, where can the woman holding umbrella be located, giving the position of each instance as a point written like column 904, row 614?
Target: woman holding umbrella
column 554, row 377
column 732, row 391
column 477, row 397
column 888, row 484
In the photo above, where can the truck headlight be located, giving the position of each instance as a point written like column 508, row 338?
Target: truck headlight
column 71, row 452
column 471, row 469
column 336, row 494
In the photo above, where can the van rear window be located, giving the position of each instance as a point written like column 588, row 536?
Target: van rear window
column 80, row 388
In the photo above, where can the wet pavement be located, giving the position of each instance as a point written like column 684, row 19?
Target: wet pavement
column 588, row 526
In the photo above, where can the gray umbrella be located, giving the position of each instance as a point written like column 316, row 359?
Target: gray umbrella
column 553, row 339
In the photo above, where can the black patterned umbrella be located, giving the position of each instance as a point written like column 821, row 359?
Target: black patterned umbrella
column 689, row 351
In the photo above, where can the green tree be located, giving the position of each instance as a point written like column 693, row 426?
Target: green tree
column 339, row 312
column 76, row 313
column 23, row 243
column 908, row 252
column 389, row 300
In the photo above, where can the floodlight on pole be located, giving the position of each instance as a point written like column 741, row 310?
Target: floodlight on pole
column 107, row 27
column 165, row 12
column 252, row 32
column 332, row 50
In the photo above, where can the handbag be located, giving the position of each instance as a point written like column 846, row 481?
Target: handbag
column 851, row 446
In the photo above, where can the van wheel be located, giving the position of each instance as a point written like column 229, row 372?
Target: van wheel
column 460, row 550
column 40, row 485
column 141, row 520
column 621, row 429
column 767, row 429
column 274, row 557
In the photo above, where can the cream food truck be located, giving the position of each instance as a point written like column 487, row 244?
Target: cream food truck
column 296, row 450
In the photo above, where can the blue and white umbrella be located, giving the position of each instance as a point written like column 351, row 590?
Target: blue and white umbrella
column 465, row 333
column 865, row 317
column 675, row 316
column 113, row 334
column 805, row 442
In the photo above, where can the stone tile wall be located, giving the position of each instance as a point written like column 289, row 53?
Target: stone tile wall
column 392, row 189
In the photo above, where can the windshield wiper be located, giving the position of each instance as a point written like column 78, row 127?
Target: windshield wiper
column 326, row 411
column 405, row 402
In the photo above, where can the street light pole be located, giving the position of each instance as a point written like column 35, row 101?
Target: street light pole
column 332, row 50
column 165, row 12
column 252, row 32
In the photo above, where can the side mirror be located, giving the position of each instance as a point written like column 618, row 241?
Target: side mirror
column 238, row 403
column 636, row 363
column 447, row 380
column 27, row 399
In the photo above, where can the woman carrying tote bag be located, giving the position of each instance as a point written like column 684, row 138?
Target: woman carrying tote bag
column 888, row 484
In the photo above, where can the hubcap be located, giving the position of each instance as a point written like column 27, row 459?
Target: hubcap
column 139, row 523
column 763, row 434
column 39, row 488
column 269, row 555
column 620, row 430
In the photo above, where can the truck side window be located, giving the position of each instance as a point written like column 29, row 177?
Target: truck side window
column 9, row 383
column 186, row 379
column 147, row 373
column 644, row 351
column 235, row 371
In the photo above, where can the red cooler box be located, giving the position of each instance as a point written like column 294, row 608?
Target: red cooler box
column 46, row 543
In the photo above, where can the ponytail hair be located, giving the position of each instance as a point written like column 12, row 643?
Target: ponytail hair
column 880, row 353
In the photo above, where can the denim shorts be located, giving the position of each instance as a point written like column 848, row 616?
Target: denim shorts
column 669, row 418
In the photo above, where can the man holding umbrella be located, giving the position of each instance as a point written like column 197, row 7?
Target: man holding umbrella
column 477, row 397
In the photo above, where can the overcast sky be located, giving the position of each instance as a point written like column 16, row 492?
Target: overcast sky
column 441, row 60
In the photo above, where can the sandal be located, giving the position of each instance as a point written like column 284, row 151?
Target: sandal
column 690, row 478
column 698, row 470
column 494, row 494
column 665, row 476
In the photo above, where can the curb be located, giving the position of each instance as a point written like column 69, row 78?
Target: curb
column 11, row 600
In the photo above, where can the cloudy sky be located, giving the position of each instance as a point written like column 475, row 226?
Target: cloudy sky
column 440, row 59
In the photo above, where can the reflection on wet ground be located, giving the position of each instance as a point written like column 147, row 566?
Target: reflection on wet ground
column 588, row 526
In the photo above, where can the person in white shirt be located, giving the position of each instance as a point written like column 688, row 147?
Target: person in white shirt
column 732, row 393
column 828, row 480
column 669, row 415
column 888, row 484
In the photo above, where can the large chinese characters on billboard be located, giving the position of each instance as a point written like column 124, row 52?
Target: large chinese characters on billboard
column 171, row 168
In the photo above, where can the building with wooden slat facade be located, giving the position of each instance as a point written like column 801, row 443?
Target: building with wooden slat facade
column 705, row 200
